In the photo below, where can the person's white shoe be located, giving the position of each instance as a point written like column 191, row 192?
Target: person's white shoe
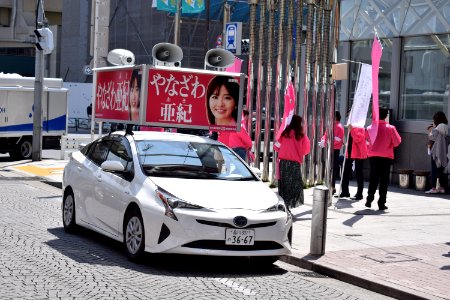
column 432, row 191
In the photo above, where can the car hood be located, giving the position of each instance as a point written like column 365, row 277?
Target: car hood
column 220, row 194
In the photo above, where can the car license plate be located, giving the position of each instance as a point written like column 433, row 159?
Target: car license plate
column 244, row 237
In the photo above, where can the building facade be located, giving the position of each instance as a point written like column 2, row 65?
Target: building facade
column 414, row 77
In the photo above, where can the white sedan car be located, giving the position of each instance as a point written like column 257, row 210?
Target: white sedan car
column 174, row 193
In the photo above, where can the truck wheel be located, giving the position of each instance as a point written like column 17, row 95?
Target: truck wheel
column 23, row 150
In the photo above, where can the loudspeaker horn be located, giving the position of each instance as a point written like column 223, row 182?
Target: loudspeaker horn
column 219, row 58
column 120, row 57
column 167, row 53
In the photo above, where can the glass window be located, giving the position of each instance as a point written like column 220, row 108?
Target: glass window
column 120, row 151
column 424, row 77
column 362, row 53
column 98, row 151
column 191, row 160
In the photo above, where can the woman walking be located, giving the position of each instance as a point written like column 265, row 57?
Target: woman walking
column 292, row 147
column 438, row 151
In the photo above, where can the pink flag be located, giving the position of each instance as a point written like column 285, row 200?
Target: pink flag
column 289, row 107
column 377, row 51
column 236, row 67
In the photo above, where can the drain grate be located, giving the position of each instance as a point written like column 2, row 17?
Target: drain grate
column 391, row 258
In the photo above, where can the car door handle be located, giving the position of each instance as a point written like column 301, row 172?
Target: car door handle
column 99, row 178
column 127, row 192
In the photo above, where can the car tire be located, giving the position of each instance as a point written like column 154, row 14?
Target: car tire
column 68, row 213
column 134, row 235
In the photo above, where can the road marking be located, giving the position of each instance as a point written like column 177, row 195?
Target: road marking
column 235, row 286
column 39, row 171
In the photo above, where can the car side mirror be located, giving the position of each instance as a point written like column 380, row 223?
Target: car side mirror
column 112, row 166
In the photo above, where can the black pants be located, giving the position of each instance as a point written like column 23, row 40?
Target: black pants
column 379, row 174
column 359, row 163
column 335, row 167
column 438, row 173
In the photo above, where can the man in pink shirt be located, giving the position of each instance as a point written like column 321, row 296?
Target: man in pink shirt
column 381, row 156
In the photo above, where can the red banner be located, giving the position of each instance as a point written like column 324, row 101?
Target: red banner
column 188, row 98
column 118, row 94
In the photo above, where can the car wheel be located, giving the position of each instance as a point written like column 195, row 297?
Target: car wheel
column 68, row 213
column 134, row 235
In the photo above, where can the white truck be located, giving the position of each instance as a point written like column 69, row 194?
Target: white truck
column 17, row 110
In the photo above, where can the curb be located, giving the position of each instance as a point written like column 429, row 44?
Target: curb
column 307, row 263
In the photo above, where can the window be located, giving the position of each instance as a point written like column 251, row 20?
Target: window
column 99, row 150
column 424, row 77
column 190, row 160
column 5, row 16
column 120, row 151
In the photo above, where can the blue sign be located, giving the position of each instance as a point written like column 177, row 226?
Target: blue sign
column 233, row 37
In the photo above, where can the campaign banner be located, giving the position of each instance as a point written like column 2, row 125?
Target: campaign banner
column 190, row 98
column 361, row 101
column 117, row 95
column 192, row 6
column 167, row 5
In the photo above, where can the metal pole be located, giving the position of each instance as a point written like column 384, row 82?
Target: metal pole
column 251, row 54
column 329, row 106
column 38, row 91
column 319, row 220
column 278, row 83
column 260, row 84
column 298, row 52
column 267, row 124
column 176, row 31
column 95, row 65
column 307, row 91
column 226, row 19
column 320, row 101
column 334, row 37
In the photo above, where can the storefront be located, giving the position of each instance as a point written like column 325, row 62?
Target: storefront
column 415, row 66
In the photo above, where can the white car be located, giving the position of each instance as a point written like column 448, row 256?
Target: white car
column 174, row 193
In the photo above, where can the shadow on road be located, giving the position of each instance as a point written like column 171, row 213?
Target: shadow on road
column 88, row 247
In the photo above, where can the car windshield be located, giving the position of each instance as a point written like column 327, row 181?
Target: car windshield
column 180, row 159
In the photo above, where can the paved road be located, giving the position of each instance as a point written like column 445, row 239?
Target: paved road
column 40, row 261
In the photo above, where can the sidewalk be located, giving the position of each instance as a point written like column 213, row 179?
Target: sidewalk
column 403, row 252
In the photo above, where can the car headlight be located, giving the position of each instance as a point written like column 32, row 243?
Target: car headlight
column 171, row 202
column 280, row 206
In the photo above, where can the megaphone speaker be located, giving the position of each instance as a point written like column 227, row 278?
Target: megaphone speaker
column 219, row 58
column 120, row 57
column 167, row 52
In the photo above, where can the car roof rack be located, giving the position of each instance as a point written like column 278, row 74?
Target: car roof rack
column 129, row 129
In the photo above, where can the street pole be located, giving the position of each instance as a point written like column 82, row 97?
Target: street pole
column 94, row 66
column 38, row 90
column 176, row 31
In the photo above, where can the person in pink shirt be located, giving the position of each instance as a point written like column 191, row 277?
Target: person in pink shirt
column 381, row 156
column 338, row 141
column 292, row 147
column 356, row 151
column 239, row 141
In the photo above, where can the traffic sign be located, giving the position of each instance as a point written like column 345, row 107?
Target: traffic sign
column 233, row 37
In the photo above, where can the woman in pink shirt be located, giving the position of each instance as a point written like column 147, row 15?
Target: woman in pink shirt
column 381, row 156
column 292, row 147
